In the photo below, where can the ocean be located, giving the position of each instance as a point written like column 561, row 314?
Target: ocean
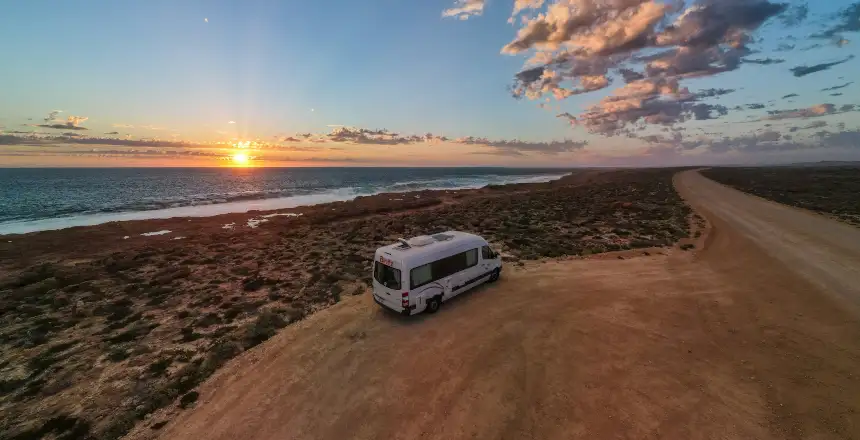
column 55, row 198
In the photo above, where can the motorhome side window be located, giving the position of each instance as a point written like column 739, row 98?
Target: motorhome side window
column 471, row 258
column 439, row 269
column 421, row 275
column 386, row 275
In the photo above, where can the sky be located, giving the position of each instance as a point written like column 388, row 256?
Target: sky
column 431, row 83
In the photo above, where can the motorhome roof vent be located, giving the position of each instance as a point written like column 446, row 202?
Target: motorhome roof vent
column 403, row 244
column 421, row 240
column 443, row 237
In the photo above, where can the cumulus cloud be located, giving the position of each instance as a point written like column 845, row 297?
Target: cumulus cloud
column 713, row 22
column 112, row 132
column 814, row 111
column 71, row 123
column 585, row 74
column 581, row 46
column 657, row 100
column 811, row 112
column 590, row 28
column 463, row 9
column 520, row 148
column 696, row 62
column 755, row 106
column 522, row 5
column 710, row 93
column 375, row 137
column 75, row 120
column 790, row 95
column 806, row 70
column 346, row 136
column 505, row 147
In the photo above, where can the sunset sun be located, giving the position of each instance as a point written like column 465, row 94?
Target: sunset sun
column 241, row 159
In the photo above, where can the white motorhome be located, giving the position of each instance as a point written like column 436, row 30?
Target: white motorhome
column 418, row 274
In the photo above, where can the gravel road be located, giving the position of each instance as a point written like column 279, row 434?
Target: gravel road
column 825, row 252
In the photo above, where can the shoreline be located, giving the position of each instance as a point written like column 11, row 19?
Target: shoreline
column 118, row 236
column 344, row 194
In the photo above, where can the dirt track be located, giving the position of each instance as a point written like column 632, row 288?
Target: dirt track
column 725, row 342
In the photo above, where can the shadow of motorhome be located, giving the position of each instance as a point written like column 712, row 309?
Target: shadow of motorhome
column 473, row 294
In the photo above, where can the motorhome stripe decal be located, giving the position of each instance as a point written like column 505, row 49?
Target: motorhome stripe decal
column 485, row 274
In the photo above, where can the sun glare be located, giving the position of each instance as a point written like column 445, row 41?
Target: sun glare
column 241, row 159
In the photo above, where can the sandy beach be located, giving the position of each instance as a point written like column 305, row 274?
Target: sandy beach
column 103, row 325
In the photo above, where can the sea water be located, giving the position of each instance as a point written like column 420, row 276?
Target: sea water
column 54, row 198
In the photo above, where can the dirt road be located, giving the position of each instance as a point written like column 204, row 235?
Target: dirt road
column 751, row 337
column 825, row 252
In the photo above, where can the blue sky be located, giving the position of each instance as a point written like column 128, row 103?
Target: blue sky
column 283, row 67
column 265, row 64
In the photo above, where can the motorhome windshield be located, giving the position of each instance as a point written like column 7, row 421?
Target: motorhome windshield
column 387, row 276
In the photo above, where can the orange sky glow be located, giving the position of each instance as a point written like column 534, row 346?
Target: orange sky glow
column 253, row 154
